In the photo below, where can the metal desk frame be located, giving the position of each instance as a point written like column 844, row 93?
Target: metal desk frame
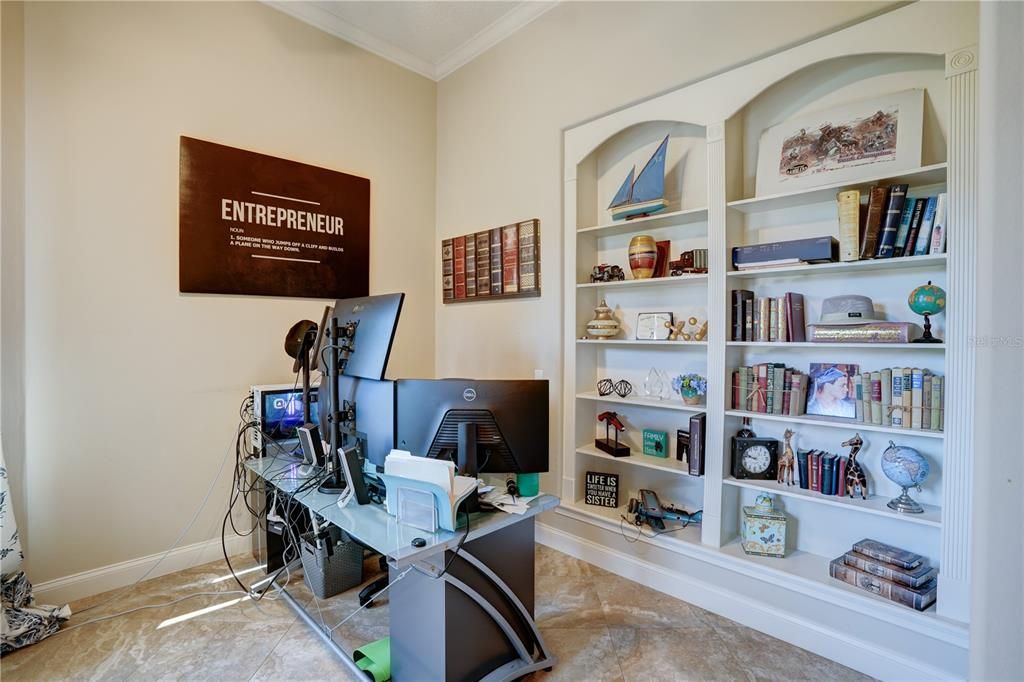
column 374, row 527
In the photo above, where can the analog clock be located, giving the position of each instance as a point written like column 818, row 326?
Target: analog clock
column 755, row 458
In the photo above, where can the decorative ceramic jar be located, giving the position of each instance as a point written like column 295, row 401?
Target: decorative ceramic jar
column 643, row 254
column 604, row 325
column 763, row 530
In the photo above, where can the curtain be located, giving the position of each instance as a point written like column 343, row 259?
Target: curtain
column 22, row 621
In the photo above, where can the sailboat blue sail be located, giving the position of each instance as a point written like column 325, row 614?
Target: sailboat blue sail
column 646, row 194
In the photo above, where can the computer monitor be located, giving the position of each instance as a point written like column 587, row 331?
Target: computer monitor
column 375, row 415
column 485, row 426
column 377, row 318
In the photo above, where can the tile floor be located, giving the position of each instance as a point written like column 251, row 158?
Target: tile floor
column 601, row 626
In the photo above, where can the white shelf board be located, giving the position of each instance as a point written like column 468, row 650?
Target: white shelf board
column 636, row 342
column 612, row 519
column 847, row 424
column 684, row 217
column 650, row 282
column 935, row 262
column 638, row 458
column 799, row 570
column 793, row 345
column 925, row 175
column 672, row 404
column 875, row 504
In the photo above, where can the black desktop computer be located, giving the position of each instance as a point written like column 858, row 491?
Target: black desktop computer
column 484, row 426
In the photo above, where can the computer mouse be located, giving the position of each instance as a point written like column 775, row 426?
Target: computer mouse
column 419, row 542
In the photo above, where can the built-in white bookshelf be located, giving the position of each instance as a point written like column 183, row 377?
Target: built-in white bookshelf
column 714, row 127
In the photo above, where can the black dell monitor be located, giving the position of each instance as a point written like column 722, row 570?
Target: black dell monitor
column 375, row 320
column 484, row 426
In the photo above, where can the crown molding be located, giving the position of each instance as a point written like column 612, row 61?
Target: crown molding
column 328, row 22
column 499, row 30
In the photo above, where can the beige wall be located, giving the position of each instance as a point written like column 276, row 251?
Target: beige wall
column 132, row 388
column 499, row 143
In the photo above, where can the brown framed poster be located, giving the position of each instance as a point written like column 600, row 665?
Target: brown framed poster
column 254, row 224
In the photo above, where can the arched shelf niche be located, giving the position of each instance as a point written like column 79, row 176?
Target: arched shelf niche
column 601, row 172
column 827, row 84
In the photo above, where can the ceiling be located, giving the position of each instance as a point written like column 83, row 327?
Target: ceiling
column 431, row 38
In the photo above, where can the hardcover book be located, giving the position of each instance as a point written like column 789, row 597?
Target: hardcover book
column 876, row 206
column 891, row 221
column 528, row 270
column 459, row 267
column 698, row 424
column 888, row 554
column 923, row 241
column 740, row 298
column 916, row 397
column 483, row 264
column 496, row 267
column 801, row 468
column 937, row 397
column 828, row 463
column 858, row 397
column 901, row 235
column 876, row 398
column 914, row 577
column 470, row 266
column 809, row 250
column 510, row 259
column 886, row 386
column 447, row 270
column 897, row 397
column 918, row 599
column 938, row 244
column 849, row 225
column 907, row 248
column 796, row 329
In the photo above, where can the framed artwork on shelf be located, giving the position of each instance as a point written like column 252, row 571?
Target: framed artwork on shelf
column 842, row 144
column 502, row 262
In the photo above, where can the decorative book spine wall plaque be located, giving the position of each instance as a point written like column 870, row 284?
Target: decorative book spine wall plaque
column 503, row 262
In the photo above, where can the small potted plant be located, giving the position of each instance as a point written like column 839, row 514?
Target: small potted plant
column 692, row 387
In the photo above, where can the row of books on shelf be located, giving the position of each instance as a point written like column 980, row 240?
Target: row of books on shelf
column 890, row 224
column 889, row 572
column 767, row 319
column 503, row 260
column 900, row 397
column 822, row 472
column 769, row 388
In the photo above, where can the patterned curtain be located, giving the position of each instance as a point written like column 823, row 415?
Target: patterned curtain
column 23, row 621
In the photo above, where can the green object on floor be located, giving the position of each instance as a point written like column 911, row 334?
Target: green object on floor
column 528, row 484
column 375, row 659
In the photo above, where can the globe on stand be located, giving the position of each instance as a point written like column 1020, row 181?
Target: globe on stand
column 907, row 468
column 927, row 300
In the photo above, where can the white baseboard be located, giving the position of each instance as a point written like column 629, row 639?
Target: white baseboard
column 832, row 644
column 87, row 583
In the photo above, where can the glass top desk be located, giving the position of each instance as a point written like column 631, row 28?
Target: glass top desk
column 484, row 601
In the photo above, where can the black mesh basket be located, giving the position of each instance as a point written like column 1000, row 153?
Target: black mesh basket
column 334, row 567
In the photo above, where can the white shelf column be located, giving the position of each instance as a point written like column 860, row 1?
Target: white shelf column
column 958, row 459
column 711, row 531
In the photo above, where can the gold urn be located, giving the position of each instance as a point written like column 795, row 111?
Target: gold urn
column 604, row 325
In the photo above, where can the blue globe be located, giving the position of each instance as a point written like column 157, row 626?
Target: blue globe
column 906, row 467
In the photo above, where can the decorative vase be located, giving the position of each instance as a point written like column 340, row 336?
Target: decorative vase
column 643, row 254
column 763, row 528
column 604, row 325
column 691, row 398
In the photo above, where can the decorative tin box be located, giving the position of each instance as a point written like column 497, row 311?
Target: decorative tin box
column 764, row 528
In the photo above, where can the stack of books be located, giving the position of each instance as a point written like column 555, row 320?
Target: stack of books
column 891, row 225
column 769, row 388
column 900, row 397
column 889, row 572
column 767, row 319
column 821, row 471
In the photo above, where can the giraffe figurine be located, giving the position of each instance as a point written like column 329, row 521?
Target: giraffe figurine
column 787, row 462
column 854, row 473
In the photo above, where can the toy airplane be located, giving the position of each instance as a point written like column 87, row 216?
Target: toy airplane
column 648, row 509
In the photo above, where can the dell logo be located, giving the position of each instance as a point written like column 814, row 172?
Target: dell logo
column 469, row 395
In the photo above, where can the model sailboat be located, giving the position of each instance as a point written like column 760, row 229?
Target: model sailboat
column 645, row 195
